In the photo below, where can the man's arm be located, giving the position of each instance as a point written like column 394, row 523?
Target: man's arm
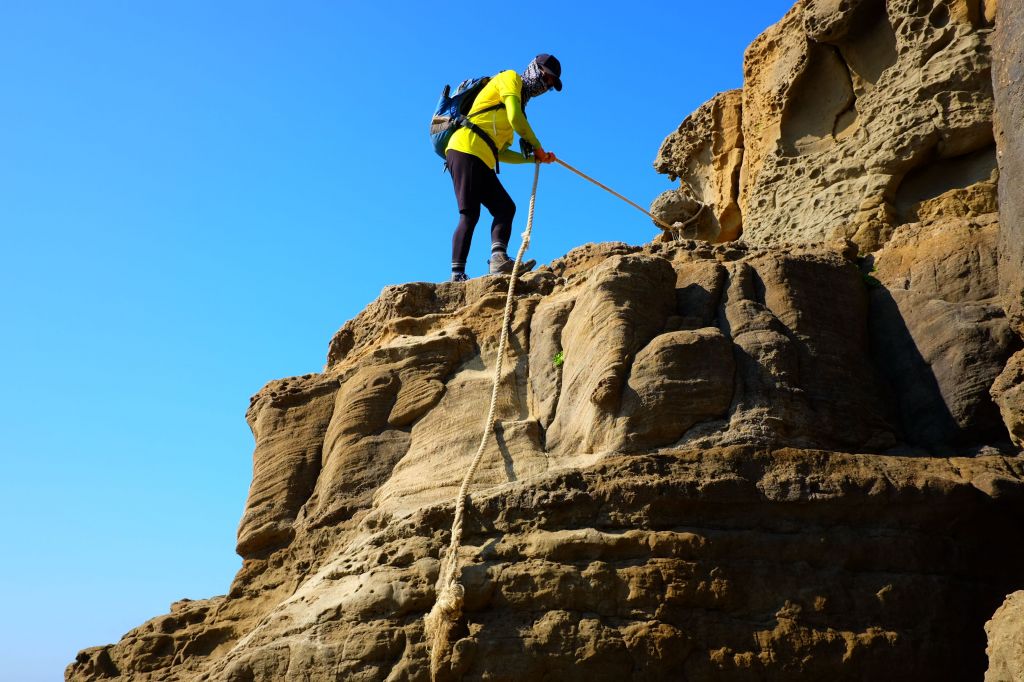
column 519, row 124
column 518, row 120
column 509, row 156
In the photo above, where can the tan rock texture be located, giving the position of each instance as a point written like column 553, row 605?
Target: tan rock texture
column 939, row 331
column 851, row 114
column 682, row 498
column 730, row 565
column 1008, row 392
column 1008, row 81
column 1006, row 641
column 706, row 154
column 780, row 442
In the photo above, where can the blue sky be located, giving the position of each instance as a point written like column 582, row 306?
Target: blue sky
column 195, row 195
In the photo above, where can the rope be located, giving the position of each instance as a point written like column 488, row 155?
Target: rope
column 446, row 611
column 662, row 224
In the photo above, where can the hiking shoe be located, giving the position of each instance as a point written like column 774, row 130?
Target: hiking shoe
column 500, row 264
column 459, row 277
column 524, row 267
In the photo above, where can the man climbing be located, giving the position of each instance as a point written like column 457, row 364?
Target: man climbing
column 471, row 157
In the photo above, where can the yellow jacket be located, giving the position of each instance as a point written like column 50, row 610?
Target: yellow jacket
column 499, row 124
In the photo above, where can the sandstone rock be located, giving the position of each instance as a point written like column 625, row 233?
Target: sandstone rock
column 678, row 380
column 624, row 304
column 612, row 563
column 712, row 461
column 1006, row 641
column 288, row 419
column 949, row 259
column 1008, row 393
column 854, row 113
column 1008, row 81
column 939, row 334
column 722, row 565
column 706, row 154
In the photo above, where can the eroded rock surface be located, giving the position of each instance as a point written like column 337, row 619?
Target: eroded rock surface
column 1006, row 641
column 940, row 333
column 1008, row 80
column 684, row 564
column 852, row 114
column 788, row 456
column 670, row 500
column 706, row 154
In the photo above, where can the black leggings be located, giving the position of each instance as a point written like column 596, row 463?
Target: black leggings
column 476, row 184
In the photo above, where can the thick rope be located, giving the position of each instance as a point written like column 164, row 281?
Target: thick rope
column 662, row 224
column 447, row 610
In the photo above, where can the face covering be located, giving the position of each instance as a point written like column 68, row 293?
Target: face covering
column 533, row 83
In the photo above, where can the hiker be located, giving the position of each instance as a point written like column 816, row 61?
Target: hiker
column 470, row 157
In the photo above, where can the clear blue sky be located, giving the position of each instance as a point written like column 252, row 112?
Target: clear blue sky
column 195, row 195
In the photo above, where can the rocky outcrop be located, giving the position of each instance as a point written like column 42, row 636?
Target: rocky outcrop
column 1008, row 80
column 871, row 121
column 673, row 497
column 1006, row 641
column 1008, row 392
column 706, row 155
column 853, row 113
column 940, row 333
column 791, row 454
column 678, row 565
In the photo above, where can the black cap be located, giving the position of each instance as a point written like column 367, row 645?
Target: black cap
column 551, row 66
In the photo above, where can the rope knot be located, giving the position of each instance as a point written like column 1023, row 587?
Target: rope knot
column 450, row 600
column 440, row 622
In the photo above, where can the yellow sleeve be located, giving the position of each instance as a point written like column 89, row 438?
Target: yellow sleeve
column 509, row 156
column 518, row 120
column 509, row 85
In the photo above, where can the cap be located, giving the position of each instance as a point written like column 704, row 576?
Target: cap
column 551, row 66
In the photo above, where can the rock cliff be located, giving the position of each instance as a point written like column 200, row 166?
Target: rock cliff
column 781, row 442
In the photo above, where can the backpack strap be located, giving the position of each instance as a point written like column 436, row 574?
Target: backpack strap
column 494, row 107
column 486, row 138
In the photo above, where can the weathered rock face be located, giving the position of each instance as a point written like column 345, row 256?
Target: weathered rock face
column 750, row 546
column 1008, row 79
column 727, row 461
column 871, row 121
column 1006, row 641
column 720, row 566
column 706, row 153
column 853, row 113
column 940, row 335
column 1008, row 392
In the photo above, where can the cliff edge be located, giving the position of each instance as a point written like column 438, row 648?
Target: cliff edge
column 780, row 442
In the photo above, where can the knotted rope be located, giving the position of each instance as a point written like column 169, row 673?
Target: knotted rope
column 442, row 618
column 447, row 609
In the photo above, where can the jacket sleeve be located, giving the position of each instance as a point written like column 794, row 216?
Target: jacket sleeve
column 509, row 156
column 518, row 120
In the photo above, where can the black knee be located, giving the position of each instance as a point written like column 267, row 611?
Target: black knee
column 470, row 217
column 506, row 212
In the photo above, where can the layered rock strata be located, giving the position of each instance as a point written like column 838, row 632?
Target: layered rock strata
column 728, row 565
column 671, row 499
column 789, row 456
